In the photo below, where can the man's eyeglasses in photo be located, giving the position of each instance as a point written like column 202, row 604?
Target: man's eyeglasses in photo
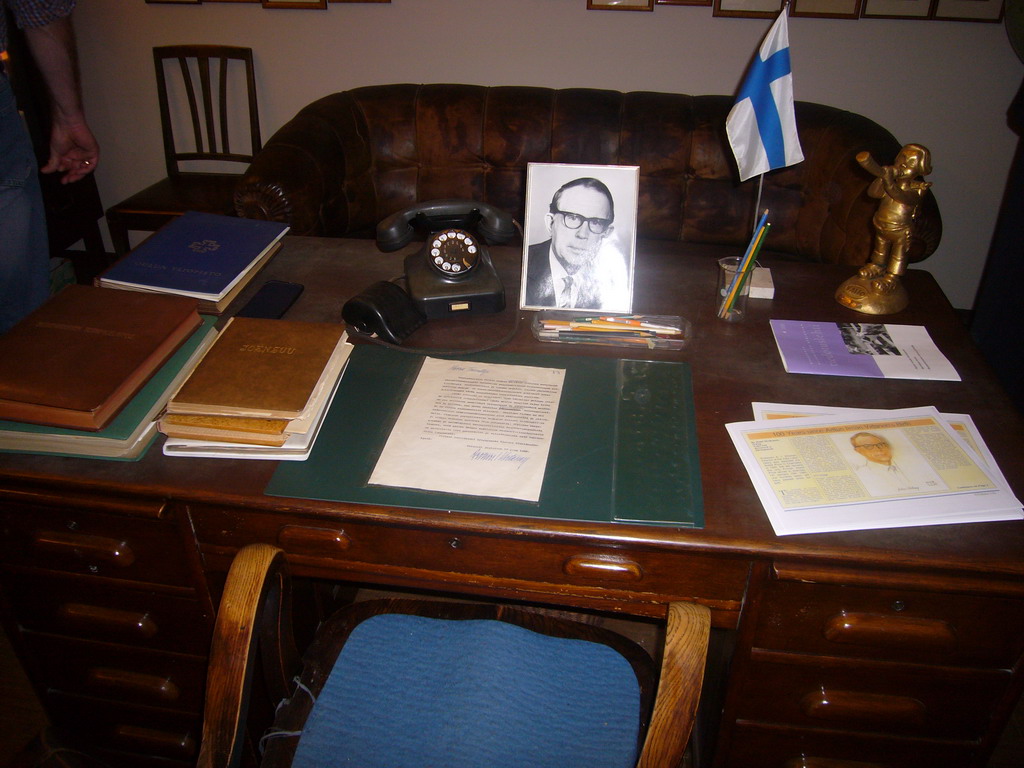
column 575, row 221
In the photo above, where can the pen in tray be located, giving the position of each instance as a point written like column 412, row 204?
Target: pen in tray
column 650, row 331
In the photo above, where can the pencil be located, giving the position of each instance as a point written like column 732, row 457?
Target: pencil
column 744, row 267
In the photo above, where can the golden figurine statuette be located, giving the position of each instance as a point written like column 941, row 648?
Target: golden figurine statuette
column 876, row 288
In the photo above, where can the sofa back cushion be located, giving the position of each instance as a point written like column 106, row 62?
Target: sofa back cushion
column 394, row 145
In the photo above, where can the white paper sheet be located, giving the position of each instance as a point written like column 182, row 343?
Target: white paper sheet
column 970, row 487
column 478, row 429
column 962, row 424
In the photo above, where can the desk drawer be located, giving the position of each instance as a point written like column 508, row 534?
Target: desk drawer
column 130, row 675
column 892, row 624
column 140, row 731
column 757, row 746
column 86, row 541
column 852, row 695
column 361, row 547
column 80, row 607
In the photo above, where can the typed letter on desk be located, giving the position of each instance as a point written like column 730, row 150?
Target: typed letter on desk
column 472, row 428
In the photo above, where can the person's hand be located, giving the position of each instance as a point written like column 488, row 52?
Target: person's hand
column 73, row 151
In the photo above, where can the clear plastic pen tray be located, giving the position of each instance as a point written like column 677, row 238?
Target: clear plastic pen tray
column 602, row 329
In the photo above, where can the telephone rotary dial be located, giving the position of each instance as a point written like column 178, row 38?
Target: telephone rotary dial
column 454, row 252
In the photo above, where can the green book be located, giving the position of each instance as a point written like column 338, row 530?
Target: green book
column 624, row 445
column 130, row 433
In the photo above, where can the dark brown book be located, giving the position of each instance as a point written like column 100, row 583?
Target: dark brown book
column 262, row 368
column 80, row 357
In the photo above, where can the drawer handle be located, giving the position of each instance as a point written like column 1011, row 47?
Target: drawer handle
column 83, row 547
column 890, row 631
column 107, row 619
column 150, row 686
column 326, row 541
column 826, row 762
column 839, row 706
column 603, row 567
column 183, row 744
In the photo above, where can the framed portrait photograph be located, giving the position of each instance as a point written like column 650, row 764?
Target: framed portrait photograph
column 969, row 10
column 315, row 4
column 748, row 9
column 897, row 9
column 580, row 238
column 828, row 9
column 620, row 5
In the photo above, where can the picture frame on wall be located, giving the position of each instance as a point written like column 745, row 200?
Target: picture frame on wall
column 969, row 10
column 826, row 9
column 897, row 9
column 313, row 4
column 682, row 2
column 620, row 5
column 748, row 9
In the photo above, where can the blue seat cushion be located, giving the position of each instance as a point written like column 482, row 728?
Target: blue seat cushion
column 411, row 691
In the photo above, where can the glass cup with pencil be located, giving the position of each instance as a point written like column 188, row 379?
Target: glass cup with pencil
column 734, row 275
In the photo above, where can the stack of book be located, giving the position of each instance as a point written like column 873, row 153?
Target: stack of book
column 87, row 372
column 203, row 255
column 261, row 391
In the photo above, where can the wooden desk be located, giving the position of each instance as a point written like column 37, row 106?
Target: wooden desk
column 878, row 648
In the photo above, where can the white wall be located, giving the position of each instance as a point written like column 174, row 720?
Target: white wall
column 943, row 84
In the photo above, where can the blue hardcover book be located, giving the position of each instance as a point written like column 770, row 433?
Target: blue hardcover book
column 202, row 255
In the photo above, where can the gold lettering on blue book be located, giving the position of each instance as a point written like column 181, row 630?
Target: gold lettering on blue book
column 204, row 246
column 266, row 349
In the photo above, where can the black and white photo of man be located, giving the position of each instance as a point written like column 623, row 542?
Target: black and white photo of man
column 576, row 260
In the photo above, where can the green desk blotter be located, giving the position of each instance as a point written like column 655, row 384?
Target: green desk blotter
column 624, row 444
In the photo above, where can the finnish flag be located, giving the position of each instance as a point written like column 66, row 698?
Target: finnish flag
column 762, row 124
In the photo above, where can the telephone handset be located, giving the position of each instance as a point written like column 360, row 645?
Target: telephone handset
column 397, row 230
column 451, row 274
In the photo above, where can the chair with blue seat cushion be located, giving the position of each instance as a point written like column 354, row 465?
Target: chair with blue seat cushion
column 402, row 683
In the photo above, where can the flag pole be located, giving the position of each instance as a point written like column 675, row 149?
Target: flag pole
column 757, row 203
column 760, row 178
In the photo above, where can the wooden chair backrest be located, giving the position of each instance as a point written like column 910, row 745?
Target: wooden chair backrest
column 207, row 84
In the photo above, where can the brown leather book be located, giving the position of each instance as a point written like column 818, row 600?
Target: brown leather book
column 226, row 429
column 80, row 357
column 229, row 423
column 261, row 368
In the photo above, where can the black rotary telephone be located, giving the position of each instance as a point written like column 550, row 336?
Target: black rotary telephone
column 450, row 275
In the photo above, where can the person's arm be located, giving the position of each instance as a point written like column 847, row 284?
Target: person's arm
column 73, row 148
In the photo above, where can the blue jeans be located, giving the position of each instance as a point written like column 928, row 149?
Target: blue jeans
column 24, row 251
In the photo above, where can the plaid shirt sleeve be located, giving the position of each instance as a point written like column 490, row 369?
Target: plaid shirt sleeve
column 32, row 13
column 36, row 13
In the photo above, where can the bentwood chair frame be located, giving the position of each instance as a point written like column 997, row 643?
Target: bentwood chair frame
column 253, row 629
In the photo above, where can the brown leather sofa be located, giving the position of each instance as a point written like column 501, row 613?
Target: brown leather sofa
column 348, row 160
